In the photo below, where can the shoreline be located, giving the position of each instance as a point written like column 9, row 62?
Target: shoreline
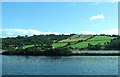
column 85, row 54
column 68, row 52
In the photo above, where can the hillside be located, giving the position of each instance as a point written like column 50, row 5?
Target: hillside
column 66, row 49
column 56, row 41
column 82, row 41
column 76, row 38
column 103, row 40
column 71, row 40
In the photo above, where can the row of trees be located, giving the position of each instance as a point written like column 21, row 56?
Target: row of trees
column 31, row 51
column 32, row 40
column 114, row 44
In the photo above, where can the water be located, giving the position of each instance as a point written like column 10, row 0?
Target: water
column 60, row 65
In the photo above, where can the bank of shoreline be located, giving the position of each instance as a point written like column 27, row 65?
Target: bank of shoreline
column 61, row 52
column 73, row 54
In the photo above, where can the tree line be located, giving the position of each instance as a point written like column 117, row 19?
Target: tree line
column 32, row 40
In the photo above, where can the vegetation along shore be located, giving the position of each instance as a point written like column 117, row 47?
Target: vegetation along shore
column 60, row 44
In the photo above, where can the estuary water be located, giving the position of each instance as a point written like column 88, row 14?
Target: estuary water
column 59, row 65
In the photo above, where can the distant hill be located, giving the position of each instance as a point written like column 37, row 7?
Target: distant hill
column 56, row 41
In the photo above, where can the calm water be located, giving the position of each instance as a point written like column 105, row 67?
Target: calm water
column 71, row 65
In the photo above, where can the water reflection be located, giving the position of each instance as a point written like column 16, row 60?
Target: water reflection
column 60, row 65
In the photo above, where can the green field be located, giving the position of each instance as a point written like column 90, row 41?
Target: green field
column 76, row 38
column 95, row 40
column 27, row 46
column 55, row 45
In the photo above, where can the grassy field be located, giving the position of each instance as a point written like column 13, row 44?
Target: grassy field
column 28, row 46
column 55, row 45
column 76, row 38
column 95, row 40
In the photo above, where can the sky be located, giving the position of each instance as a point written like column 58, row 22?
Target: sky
column 28, row 18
